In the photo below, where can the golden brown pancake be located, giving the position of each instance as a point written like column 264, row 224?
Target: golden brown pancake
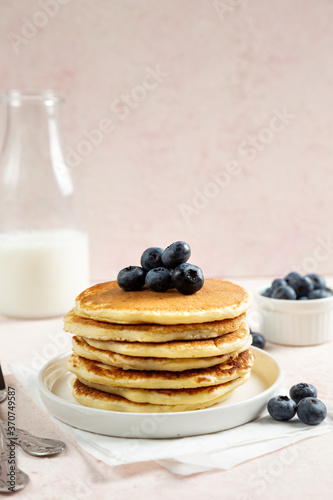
column 159, row 352
column 171, row 396
column 104, row 401
column 217, row 300
column 81, row 348
column 224, row 344
column 100, row 373
column 102, row 330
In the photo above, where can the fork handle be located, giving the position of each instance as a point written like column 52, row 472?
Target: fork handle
column 39, row 446
column 24, row 437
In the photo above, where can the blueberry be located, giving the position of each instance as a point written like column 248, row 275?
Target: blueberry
column 311, row 411
column 187, row 278
column 267, row 292
column 175, row 254
column 281, row 408
column 159, row 279
column 131, row 278
column 278, row 282
column 258, row 340
column 318, row 280
column 151, row 258
column 302, row 286
column 302, row 390
column 291, row 277
column 303, row 298
column 284, row 292
column 320, row 293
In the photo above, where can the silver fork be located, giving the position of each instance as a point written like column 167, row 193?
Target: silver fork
column 33, row 445
column 11, row 477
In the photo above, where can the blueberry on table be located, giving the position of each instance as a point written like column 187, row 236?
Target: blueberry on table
column 131, row 278
column 318, row 280
column 159, row 279
column 284, row 292
column 302, row 390
column 151, row 258
column 278, row 282
column 281, row 408
column 267, row 292
column 311, row 411
column 187, row 278
column 258, row 340
column 175, row 254
column 320, row 293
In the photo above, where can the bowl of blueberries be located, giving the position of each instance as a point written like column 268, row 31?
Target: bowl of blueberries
column 296, row 310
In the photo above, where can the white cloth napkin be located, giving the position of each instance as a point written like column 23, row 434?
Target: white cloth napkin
column 189, row 455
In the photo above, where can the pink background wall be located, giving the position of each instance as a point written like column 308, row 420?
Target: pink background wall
column 222, row 124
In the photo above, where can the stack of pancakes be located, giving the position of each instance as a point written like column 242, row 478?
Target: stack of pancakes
column 159, row 352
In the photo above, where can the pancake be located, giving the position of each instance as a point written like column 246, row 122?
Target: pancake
column 224, row 344
column 215, row 301
column 100, row 373
column 103, row 401
column 171, row 396
column 81, row 348
column 102, row 330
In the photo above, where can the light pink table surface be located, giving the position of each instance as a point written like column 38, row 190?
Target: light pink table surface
column 301, row 471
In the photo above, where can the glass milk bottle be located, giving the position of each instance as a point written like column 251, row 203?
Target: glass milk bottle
column 43, row 246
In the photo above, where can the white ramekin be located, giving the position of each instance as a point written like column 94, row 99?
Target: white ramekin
column 295, row 322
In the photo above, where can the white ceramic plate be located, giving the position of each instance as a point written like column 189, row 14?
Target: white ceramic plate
column 245, row 404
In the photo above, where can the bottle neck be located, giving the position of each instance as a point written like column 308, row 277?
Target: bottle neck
column 33, row 144
column 36, row 188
